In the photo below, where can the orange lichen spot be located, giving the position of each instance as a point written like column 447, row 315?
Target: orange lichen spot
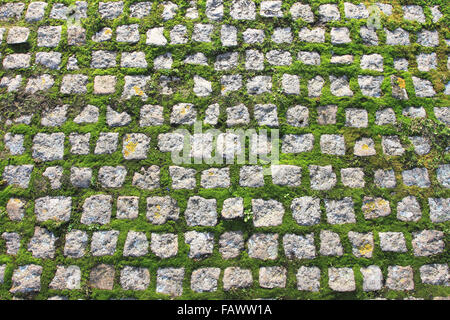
column 138, row 91
column 401, row 83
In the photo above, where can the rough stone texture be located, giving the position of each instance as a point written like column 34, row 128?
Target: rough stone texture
column 330, row 244
column 392, row 241
column 201, row 212
column 263, row 246
column 435, row 274
column 372, row 278
column 164, row 245
column 308, row 279
column 66, row 278
column 231, row 244
column 205, row 279
column 267, row 213
column 340, row 211
column 322, row 177
column 75, row 244
column 236, row 278
column 341, row 279
column 103, row 243
column 53, row 208
column 136, row 244
column 134, row 278
column 201, row 244
column 97, row 209
column 272, row 277
column 299, row 246
column 26, row 279
column 427, row 243
column 102, row 277
column 169, row 281
column 439, row 209
column 400, row 278
column 161, row 209
column 42, row 244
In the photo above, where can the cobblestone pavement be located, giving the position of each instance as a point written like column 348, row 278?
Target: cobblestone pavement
column 321, row 169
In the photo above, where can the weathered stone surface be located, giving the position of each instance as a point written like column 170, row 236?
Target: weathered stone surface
column 205, row 279
column 26, row 279
column 322, row 177
column 42, row 244
column 392, row 241
column 66, row 278
column 267, row 213
column 136, row 244
column 103, row 243
column 400, row 278
column 330, row 244
column 76, row 243
column 201, row 244
column 439, row 209
column 299, row 246
column 416, row 177
column 427, row 243
column 272, row 277
column 169, row 281
column 102, row 277
column 372, row 278
column 53, row 208
column 231, row 244
column 201, row 212
column 18, row 176
column 341, row 279
column 12, row 243
column 112, row 177
column 134, row 278
column 263, row 246
column 340, row 211
column 97, row 209
column 161, row 209
column 362, row 244
column 308, row 279
column 435, row 274
column 237, row 278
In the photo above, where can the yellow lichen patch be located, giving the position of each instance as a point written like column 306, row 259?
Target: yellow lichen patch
column 138, row 91
column 108, row 31
column 210, row 173
column 401, row 83
column 365, row 147
column 184, row 110
column 129, row 147
column 365, row 249
column 157, row 212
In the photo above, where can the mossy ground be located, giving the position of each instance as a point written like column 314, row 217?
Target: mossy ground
column 16, row 103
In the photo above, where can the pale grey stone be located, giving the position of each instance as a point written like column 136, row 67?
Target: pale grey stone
column 215, row 178
column 201, row 212
column 401, row 64
column 292, row 143
column 267, row 213
column 178, row 34
column 66, row 278
column 53, row 208
column 134, row 59
column 282, row 35
column 163, row 61
column 103, row 243
column 254, row 60
column 49, row 36
column 18, row 176
column 375, row 207
column 39, row 83
column 15, row 208
column 170, row 10
column 106, row 143
column 340, row 87
column 392, row 146
column 362, row 244
column 272, row 277
column 243, row 10
column 214, row 9
column 112, row 177
column 329, row 12
column 426, row 61
column 75, row 244
column 97, row 209
column 344, row 59
column 16, row 61
column 413, row 13
column 442, row 114
column 226, row 61
column 12, row 245
column 421, row 144
column 302, row 11
column 286, row 175
column 322, row 177
column 42, row 244
column 205, row 279
column 385, row 178
column 237, row 278
column 201, row 244
column 140, row 9
column 253, row 36
column 156, row 37
column 400, row 278
column 392, row 241
column 435, row 274
column 212, row 114
column 128, row 33
column 26, row 279
column 74, row 84
column 136, row 244
column 233, row 208
column 299, row 246
column 228, row 35
column 183, row 113
column 202, row 32
column 414, row 112
column 355, row 11
column 102, row 35
column 308, row 279
column 439, row 209
column 314, row 35
column 54, row 175
column 428, row 38
column 127, row 207
column 89, row 114
column 341, row 279
column 35, row 11
column 116, row 119
column 14, row 143
column 202, row 87
column 330, row 244
column 306, row 210
column 397, row 37
column 266, row 115
column 161, row 209
column 423, row 87
column 353, row 177
column 251, row 176
column 340, row 35
column 110, row 10
column 134, row 278
column 263, row 246
column 17, row 35
column 369, row 36
column 231, row 244
column 443, row 175
column 169, row 281
column 385, row 116
column 364, row 147
column 332, row 144
column 48, row 147
column 372, row 278
column 426, row 243
column 230, row 83
column 416, row 177
column 370, row 85
column 340, row 211
column 147, row 178
column 168, row 142
column 408, row 209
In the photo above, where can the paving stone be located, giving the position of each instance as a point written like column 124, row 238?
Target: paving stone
column 297, row 143
column 237, row 278
column 355, row 11
column 364, row 147
column 214, row 9
column 156, row 37
column 416, row 177
column 398, row 88
column 341, row 279
column 12, row 243
column 230, row 83
column 212, row 114
column 183, row 113
column 362, row 244
column 302, row 11
column 237, row 115
column 400, row 278
column 340, row 35
column 17, row 35
column 372, row 278
column 253, row 36
column 340, row 86
column 54, row 175
column 385, row 178
column 112, row 177
column 290, row 84
column 308, row 279
column 243, row 10
column 178, row 35
column 49, row 36
column 102, row 277
column 322, row 177
column 66, row 278
column 117, row 119
column 202, row 32
column 428, row 38
column 53, row 208
column 74, row 84
column 344, row 59
column 263, row 246
column 332, row 144
column 231, row 244
column 299, row 246
column 370, row 85
column 103, row 243
column 375, row 207
column 110, row 10
column 14, row 143
column 435, row 274
column 202, row 87
column 2, row 273
column 401, row 64
column 205, row 279
column 106, row 143
column 168, row 142
column 368, row 36
column 134, row 278
column 147, row 178
column 251, row 176
column 315, row 86
column 306, row 210
column 330, row 244
column 97, row 209
column 392, row 146
column 163, row 61
column 397, row 37
column 12, row 84
column 427, row 243
column 161, row 209
column 16, row 61
column 136, row 244
column 340, row 211
column 140, row 9
column 267, row 213
column 215, row 178
column 201, row 212
column 426, row 61
column 15, row 208
column 392, row 241
column 35, row 11
column 42, row 244
column 414, row 112
column 423, row 87
column 75, row 244
column 272, row 277
column 233, row 208
column 169, row 281
column 413, row 13
column 385, row 116
column 201, row 244
column 408, row 209
column 436, row 13
column 286, row 175
column 89, row 114
column 328, row 12
column 18, row 176
column 439, row 209
column 352, row 177
column 442, row 114
column 26, row 279
column 228, row 35
column 169, row 11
